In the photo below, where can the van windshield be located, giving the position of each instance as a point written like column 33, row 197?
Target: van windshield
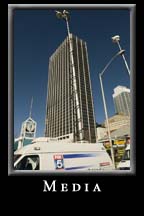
column 126, row 155
column 29, row 162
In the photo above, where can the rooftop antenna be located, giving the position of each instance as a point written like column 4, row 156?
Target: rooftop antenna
column 31, row 107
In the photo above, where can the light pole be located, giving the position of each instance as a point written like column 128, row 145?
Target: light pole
column 65, row 15
column 116, row 39
column 104, row 101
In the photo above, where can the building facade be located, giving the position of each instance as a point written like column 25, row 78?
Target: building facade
column 61, row 119
column 121, row 99
column 118, row 121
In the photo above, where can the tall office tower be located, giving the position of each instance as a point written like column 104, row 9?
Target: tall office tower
column 61, row 116
column 121, row 99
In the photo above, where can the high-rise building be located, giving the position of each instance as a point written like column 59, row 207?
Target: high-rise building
column 61, row 119
column 121, row 99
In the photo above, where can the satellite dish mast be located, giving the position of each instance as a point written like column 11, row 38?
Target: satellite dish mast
column 28, row 129
column 30, row 113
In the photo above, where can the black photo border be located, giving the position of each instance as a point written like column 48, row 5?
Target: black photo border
column 72, row 177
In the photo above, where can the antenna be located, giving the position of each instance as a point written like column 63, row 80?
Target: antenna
column 31, row 107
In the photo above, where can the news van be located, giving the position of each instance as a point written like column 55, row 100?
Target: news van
column 61, row 156
column 124, row 164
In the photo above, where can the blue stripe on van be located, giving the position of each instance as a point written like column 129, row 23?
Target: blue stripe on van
column 78, row 167
column 78, row 155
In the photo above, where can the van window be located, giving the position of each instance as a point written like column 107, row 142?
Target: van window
column 29, row 162
column 126, row 155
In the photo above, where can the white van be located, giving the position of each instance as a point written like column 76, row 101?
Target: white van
column 124, row 164
column 59, row 156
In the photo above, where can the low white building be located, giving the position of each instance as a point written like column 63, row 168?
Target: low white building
column 101, row 132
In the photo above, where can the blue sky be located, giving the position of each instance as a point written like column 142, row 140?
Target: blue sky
column 37, row 34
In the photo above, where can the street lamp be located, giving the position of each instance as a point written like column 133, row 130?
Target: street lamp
column 65, row 15
column 116, row 39
column 104, row 101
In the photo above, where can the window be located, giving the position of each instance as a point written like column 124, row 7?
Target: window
column 29, row 162
column 126, row 155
